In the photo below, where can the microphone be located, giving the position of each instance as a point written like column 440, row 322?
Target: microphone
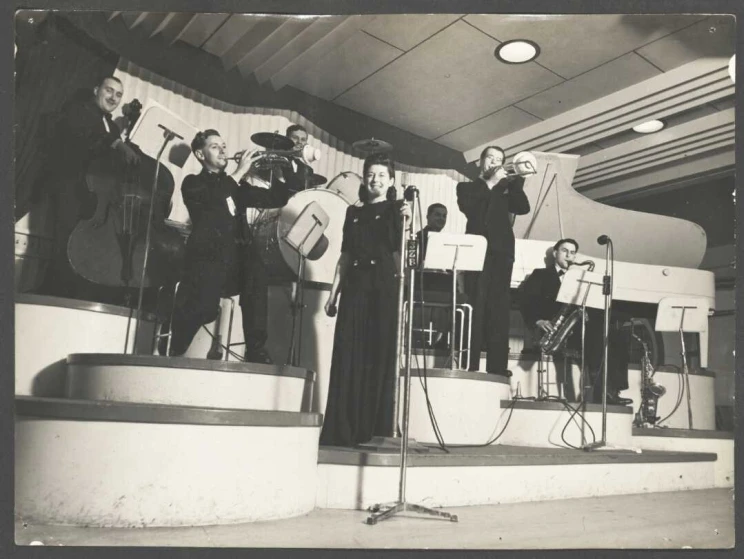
column 603, row 239
column 410, row 193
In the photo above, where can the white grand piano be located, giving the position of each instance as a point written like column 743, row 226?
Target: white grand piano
column 655, row 256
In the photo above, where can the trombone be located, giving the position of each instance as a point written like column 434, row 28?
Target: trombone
column 523, row 164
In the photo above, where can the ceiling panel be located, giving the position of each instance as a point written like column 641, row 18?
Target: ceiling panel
column 622, row 72
column 351, row 62
column 229, row 33
column 713, row 37
column 405, row 31
column 201, row 28
column 573, row 44
column 451, row 79
column 497, row 124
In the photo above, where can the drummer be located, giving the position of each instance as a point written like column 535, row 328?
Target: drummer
column 299, row 174
column 220, row 257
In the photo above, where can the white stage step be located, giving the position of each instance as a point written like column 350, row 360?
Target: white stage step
column 48, row 329
column 188, row 382
column 125, row 465
column 685, row 440
column 352, row 479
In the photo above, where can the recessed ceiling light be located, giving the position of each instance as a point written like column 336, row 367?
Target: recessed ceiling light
column 649, row 127
column 517, row 51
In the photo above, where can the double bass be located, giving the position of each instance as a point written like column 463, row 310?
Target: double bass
column 109, row 248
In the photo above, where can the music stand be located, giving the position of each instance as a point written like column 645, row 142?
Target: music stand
column 578, row 288
column 153, row 131
column 457, row 253
column 683, row 314
column 302, row 236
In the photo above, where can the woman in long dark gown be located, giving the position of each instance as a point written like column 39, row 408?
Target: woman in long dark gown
column 363, row 368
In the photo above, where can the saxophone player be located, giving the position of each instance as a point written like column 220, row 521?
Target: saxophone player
column 539, row 307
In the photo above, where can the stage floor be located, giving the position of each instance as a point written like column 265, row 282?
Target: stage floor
column 696, row 519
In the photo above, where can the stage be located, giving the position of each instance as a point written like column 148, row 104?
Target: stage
column 696, row 519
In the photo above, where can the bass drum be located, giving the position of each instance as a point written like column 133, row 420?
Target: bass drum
column 346, row 185
column 282, row 261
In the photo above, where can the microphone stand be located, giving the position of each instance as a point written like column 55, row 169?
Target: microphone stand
column 607, row 292
column 401, row 505
column 168, row 136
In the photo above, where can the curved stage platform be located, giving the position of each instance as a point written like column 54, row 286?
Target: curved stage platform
column 188, row 382
column 48, row 329
column 123, row 464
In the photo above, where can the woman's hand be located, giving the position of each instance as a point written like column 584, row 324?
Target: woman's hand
column 330, row 306
column 405, row 211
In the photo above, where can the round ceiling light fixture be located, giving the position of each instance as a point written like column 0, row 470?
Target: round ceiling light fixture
column 649, row 127
column 517, row 51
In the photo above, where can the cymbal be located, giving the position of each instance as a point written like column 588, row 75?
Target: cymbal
column 269, row 140
column 316, row 180
column 372, row 146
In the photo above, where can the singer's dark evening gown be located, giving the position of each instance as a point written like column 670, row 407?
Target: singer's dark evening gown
column 360, row 391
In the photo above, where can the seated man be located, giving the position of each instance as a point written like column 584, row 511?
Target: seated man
column 539, row 307
column 220, row 256
column 297, row 176
column 435, row 286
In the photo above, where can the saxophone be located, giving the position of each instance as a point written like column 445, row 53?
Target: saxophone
column 650, row 391
column 563, row 323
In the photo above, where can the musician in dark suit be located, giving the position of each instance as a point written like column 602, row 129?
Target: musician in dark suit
column 83, row 131
column 437, row 286
column 487, row 203
column 297, row 175
column 220, row 256
column 539, row 308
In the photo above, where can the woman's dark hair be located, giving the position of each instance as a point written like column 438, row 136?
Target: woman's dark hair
column 377, row 159
column 557, row 245
column 200, row 140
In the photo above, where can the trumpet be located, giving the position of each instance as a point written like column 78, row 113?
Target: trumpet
column 524, row 164
column 273, row 157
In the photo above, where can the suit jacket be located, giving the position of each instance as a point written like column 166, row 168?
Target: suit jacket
column 538, row 293
column 487, row 211
column 214, row 228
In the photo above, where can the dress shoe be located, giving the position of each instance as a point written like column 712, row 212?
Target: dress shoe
column 506, row 374
column 614, row 399
column 258, row 355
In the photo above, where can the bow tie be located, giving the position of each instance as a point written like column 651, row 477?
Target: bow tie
column 560, row 273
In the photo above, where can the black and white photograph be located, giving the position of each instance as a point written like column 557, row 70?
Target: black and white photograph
column 366, row 281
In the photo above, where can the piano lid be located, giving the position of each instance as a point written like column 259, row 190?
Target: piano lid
column 558, row 211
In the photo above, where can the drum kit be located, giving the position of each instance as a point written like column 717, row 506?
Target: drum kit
column 271, row 226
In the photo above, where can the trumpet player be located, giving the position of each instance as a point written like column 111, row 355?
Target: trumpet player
column 220, row 257
column 487, row 203
column 539, row 307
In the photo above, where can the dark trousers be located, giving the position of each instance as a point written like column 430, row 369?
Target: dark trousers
column 202, row 285
column 491, row 299
column 617, row 351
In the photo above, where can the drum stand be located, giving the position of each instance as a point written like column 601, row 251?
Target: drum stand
column 305, row 232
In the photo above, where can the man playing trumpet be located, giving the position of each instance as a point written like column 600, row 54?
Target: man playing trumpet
column 539, row 309
column 487, row 203
column 220, row 257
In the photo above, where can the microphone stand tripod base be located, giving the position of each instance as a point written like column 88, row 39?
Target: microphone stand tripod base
column 394, row 509
column 380, row 443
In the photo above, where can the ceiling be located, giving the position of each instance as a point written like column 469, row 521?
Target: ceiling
column 436, row 76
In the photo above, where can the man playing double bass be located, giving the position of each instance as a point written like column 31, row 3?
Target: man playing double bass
column 220, row 257
column 84, row 131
